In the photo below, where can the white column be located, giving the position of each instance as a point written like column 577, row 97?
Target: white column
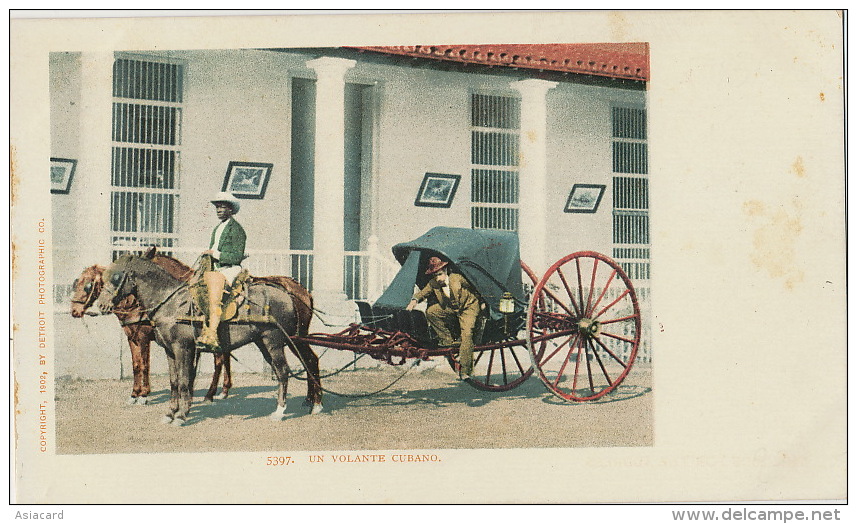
column 532, row 222
column 329, row 215
column 91, row 183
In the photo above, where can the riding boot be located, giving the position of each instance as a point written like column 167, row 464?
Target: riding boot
column 215, row 282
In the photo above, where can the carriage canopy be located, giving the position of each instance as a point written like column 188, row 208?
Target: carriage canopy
column 489, row 259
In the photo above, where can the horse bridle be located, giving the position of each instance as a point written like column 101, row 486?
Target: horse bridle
column 116, row 299
column 97, row 284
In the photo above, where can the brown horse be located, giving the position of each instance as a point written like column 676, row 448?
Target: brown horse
column 139, row 331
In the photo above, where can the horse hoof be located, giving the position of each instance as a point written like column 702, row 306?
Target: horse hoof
column 167, row 419
column 178, row 422
column 208, row 399
column 131, row 401
column 142, row 400
column 316, row 409
column 279, row 413
column 222, row 396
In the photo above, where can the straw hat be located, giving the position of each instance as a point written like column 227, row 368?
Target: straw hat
column 229, row 198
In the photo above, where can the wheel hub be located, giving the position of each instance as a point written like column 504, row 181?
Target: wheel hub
column 589, row 327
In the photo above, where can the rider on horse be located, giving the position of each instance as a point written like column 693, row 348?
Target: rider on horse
column 227, row 252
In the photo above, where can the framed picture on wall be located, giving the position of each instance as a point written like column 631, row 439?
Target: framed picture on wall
column 247, row 179
column 62, row 171
column 584, row 198
column 437, row 190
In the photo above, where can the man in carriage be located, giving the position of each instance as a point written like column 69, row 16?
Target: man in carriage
column 453, row 305
column 226, row 250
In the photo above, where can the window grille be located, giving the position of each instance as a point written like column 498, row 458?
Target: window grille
column 147, row 112
column 630, row 228
column 631, row 193
column 494, row 155
column 629, row 123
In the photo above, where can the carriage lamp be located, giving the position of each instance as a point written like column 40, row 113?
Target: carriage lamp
column 507, row 307
column 507, row 303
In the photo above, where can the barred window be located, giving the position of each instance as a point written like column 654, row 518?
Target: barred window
column 631, row 228
column 631, row 193
column 494, row 155
column 629, row 123
column 147, row 111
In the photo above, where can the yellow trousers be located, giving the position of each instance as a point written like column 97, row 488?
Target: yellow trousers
column 442, row 320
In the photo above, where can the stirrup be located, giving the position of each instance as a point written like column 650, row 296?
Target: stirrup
column 207, row 341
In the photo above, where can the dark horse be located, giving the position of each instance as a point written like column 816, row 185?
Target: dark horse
column 166, row 299
column 139, row 331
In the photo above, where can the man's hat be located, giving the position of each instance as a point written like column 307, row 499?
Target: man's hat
column 434, row 265
column 229, row 198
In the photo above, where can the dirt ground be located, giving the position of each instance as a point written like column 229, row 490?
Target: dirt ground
column 427, row 409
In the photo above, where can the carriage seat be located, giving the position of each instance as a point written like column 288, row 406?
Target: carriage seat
column 412, row 322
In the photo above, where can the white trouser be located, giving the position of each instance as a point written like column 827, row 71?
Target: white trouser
column 230, row 273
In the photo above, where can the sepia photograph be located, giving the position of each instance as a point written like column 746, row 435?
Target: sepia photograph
column 584, row 198
column 437, row 190
column 247, row 179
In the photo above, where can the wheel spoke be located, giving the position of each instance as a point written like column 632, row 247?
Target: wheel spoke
column 576, row 371
column 490, row 365
column 517, row 362
column 557, row 300
column 564, row 363
column 536, row 331
column 619, row 319
column 557, row 350
column 611, row 304
column 579, row 312
column 579, row 283
column 589, row 370
column 603, row 291
column 591, row 286
column 617, row 359
column 601, row 365
column 617, row 337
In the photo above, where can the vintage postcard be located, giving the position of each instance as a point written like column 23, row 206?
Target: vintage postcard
column 559, row 257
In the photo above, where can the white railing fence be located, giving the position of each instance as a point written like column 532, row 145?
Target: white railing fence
column 365, row 276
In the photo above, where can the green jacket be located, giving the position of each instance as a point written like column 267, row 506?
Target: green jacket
column 230, row 251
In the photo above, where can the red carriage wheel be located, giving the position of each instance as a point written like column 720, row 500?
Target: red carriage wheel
column 583, row 326
column 502, row 368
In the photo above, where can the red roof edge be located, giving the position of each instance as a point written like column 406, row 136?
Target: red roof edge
column 613, row 60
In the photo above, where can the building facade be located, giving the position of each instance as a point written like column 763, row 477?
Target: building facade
column 345, row 152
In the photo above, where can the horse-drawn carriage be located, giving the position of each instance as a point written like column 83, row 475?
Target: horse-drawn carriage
column 556, row 326
column 577, row 327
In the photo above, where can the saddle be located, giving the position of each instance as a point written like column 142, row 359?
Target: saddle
column 234, row 296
